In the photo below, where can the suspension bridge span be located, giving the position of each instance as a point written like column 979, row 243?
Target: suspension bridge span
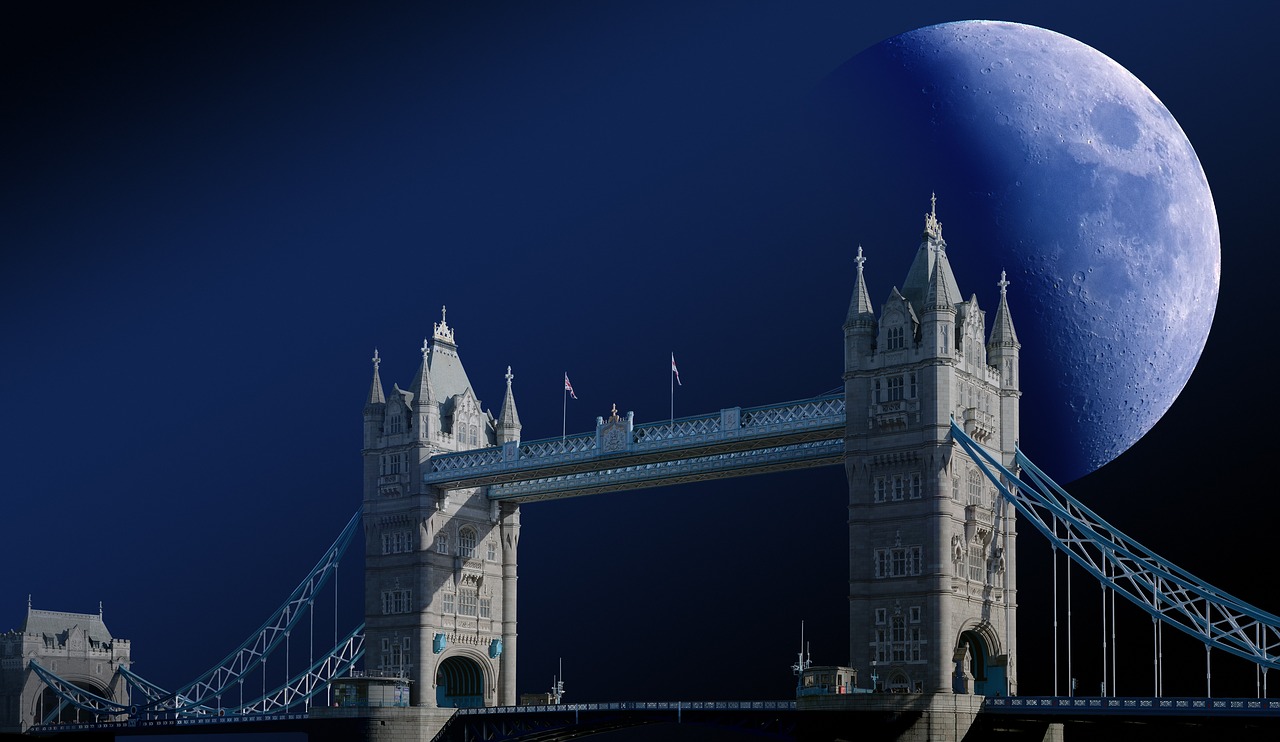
column 926, row 427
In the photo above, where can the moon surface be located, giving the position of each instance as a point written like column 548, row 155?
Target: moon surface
column 1052, row 162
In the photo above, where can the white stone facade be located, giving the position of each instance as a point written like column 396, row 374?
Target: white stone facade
column 75, row 646
column 440, row 568
column 932, row 580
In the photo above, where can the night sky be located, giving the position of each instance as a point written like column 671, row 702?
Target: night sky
column 212, row 215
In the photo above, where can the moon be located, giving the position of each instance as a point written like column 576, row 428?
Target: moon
column 1054, row 163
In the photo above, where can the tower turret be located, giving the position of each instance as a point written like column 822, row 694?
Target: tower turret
column 860, row 322
column 1003, row 352
column 508, row 427
column 375, row 406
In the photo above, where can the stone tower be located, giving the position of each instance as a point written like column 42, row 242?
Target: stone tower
column 932, row 595
column 440, row 567
column 76, row 647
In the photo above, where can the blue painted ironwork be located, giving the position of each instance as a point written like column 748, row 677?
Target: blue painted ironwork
column 621, row 477
column 203, row 695
column 1165, row 591
column 731, row 429
column 1076, row 706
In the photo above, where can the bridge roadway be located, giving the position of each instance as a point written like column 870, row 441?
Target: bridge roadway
column 621, row 455
column 871, row 717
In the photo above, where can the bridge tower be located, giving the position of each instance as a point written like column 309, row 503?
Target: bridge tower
column 76, row 646
column 440, row 567
column 932, row 588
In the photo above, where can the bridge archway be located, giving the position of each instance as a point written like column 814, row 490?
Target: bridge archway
column 46, row 701
column 460, row 682
column 980, row 667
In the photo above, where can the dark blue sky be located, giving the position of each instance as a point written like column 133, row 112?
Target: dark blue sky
column 211, row 216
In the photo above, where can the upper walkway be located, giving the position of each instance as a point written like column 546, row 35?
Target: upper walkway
column 621, row 455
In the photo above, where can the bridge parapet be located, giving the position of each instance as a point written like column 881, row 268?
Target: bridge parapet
column 617, row 437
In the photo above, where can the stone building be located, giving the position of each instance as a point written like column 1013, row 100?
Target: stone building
column 440, row 574
column 932, row 585
column 75, row 646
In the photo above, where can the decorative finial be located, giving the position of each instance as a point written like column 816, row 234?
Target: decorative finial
column 613, row 416
column 509, row 376
column 442, row 329
column 99, row 609
column 425, row 348
column 933, row 227
column 28, row 601
column 859, row 260
column 377, row 361
column 1003, row 283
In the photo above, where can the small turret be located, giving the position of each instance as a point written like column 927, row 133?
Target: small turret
column 1003, row 351
column 427, row 409
column 860, row 323
column 375, row 406
column 508, row 427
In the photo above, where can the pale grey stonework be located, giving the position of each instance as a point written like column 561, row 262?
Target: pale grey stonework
column 932, row 580
column 75, row 646
column 440, row 574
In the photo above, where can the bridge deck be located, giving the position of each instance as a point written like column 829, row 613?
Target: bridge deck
column 734, row 441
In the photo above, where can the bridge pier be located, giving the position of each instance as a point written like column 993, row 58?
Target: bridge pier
column 389, row 724
column 909, row 717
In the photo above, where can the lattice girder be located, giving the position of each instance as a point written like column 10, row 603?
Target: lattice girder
column 1165, row 591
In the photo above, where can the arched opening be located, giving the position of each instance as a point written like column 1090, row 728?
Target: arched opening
column 459, row 683
column 987, row 676
column 49, row 702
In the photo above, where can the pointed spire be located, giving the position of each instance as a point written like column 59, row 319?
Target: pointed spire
column 933, row 227
column 421, row 386
column 938, row 295
column 508, row 419
column 1002, row 332
column 375, row 389
column 860, row 305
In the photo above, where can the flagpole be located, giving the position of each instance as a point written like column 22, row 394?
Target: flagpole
column 673, row 393
column 564, row 412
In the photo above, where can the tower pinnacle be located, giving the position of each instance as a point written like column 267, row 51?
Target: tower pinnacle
column 442, row 331
column 933, row 227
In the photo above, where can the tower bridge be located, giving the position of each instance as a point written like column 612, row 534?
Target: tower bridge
column 926, row 427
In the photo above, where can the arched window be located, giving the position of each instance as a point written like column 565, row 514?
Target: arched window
column 466, row 543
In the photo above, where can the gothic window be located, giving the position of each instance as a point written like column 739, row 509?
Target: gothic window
column 899, row 487
column 895, row 388
column 396, row 655
column 397, row 601
column 900, row 561
column 880, row 616
column 898, row 639
column 396, row 424
column 877, row 388
column 442, row 543
column 486, row 607
column 882, row 645
column 467, row 602
column 397, row 542
column 975, row 487
column 895, row 338
column 914, row 641
column 466, row 543
column 913, row 485
column 473, row 435
column 882, row 489
column 446, row 603
column 913, row 392
column 492, row 554
column 977, row 563
column 955, row 489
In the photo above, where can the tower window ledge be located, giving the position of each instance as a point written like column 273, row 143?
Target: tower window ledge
column 978, row 424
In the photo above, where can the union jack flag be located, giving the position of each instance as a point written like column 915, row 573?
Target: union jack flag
column 675, row 370
column 567, row 386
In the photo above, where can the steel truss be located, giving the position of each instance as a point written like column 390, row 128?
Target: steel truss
column 1165, row 591
column 203, row 696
